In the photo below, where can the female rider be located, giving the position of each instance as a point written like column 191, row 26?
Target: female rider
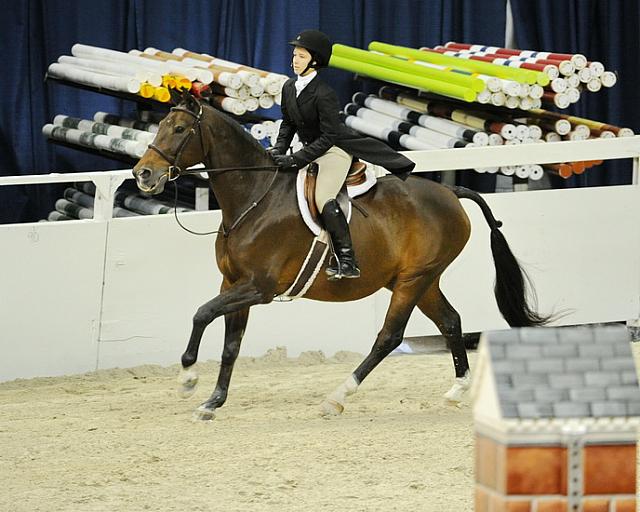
column 310, row 107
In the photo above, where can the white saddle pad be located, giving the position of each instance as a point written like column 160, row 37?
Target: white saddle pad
column 353, row 191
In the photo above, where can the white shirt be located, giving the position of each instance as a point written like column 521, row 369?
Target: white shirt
column 303, row 81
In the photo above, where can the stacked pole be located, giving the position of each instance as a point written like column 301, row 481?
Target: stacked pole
column 501, row 77
column 237, row 86
column 119, row 136
column 151, row 74
column 78, row 203
column 570, row 74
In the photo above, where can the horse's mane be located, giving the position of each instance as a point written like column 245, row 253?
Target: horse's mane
column 237, row 128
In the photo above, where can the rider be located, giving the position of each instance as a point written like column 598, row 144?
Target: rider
column 310, row 107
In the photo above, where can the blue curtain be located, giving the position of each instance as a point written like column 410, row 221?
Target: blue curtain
column 36, row 32
column 603, row 30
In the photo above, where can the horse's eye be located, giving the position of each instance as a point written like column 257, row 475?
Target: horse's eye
column 179, row 129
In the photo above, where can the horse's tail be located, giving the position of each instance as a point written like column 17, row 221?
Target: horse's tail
column 511, row 279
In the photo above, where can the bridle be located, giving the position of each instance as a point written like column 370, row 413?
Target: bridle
column 174, row 171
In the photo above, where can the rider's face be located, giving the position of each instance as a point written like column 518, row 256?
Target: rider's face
column 301, row 58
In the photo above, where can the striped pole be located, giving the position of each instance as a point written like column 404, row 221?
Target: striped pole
column 444, row 126
column 579, row 60
column 593, row 125
column 550, row 68
column 521, row 75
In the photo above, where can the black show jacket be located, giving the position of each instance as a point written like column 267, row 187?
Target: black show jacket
column 315, row 116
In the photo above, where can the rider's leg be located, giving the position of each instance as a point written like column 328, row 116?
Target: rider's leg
column 333, row 167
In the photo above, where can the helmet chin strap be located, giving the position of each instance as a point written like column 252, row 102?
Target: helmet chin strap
column 309, row 66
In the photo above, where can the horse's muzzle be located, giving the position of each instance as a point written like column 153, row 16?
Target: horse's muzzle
column 147, row 182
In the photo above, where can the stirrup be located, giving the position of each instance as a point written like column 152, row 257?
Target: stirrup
column 342, row 271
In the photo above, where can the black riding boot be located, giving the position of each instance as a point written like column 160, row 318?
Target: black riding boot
column 336, row 225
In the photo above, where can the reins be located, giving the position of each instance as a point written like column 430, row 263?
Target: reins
column 225, row 232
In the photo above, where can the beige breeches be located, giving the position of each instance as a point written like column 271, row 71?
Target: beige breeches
column 333, row 167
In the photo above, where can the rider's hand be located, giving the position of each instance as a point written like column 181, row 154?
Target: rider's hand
column 285, row 161
column 273, row 151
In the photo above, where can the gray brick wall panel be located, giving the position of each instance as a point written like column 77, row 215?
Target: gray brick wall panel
column 566, row 381
column 587, row 395
column 522, row 351
column 578, row 335
column 529, row 380
column 509, row 367
column 564, row 372
column 623, row 349
column 496, row 351
column 599, row 409
column 582, row 364
column 509, row 410
column 595, row 350
column 545, row 366
column 503, row 379
column 570, row 410
column 618, row 364
column 535, row 410
column 515, row 395
column 560, row 350
column 613, row 334
column 540, row 335
column 550, row 395
column 624, row 393
column 601, row 379
column 507, row 336
column 633, row 408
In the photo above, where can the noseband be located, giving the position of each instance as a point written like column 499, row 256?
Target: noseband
column 174, row 171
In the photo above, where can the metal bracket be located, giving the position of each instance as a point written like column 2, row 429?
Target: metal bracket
column 574, row 441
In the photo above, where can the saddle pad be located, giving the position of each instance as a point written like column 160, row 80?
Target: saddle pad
column 345, row 204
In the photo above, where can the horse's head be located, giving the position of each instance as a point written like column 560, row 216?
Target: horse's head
column 178, row 144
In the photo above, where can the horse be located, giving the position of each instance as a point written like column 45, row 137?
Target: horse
column 412, row 232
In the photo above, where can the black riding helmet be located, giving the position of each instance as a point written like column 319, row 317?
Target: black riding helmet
column 317, row 44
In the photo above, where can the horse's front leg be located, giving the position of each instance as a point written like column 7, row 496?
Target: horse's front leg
column 235, row 324
column 233, row 298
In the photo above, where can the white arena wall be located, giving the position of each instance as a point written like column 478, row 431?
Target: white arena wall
column 80, row 295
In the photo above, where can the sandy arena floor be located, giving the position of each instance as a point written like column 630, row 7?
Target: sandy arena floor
column 121, row 440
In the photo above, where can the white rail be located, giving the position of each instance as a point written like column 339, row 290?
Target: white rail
column 107, row 182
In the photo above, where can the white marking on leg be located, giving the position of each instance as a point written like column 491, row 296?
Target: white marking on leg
column 188, row 381
column 334, row 403
column 459, row 387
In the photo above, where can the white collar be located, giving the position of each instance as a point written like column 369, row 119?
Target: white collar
column 303, row 81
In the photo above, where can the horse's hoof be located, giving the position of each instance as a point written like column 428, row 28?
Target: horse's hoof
column 202, row 413
column 457, row 391
column 331, row 408
column 188, row 382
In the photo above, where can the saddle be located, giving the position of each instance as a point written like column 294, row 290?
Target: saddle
column 356, row 176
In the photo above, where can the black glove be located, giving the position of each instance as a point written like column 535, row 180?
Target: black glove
column 285, row 161
column 273, row 151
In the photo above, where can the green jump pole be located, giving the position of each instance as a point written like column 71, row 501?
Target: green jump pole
column 400, row 77
column 386, row 61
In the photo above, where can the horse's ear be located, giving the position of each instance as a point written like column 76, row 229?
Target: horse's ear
column 191, row 101
column 176, row 97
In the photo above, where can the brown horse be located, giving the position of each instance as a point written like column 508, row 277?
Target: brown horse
column 412, row 233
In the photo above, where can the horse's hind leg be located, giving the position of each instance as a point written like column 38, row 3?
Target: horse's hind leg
column 403, row 300
column 436, row 306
